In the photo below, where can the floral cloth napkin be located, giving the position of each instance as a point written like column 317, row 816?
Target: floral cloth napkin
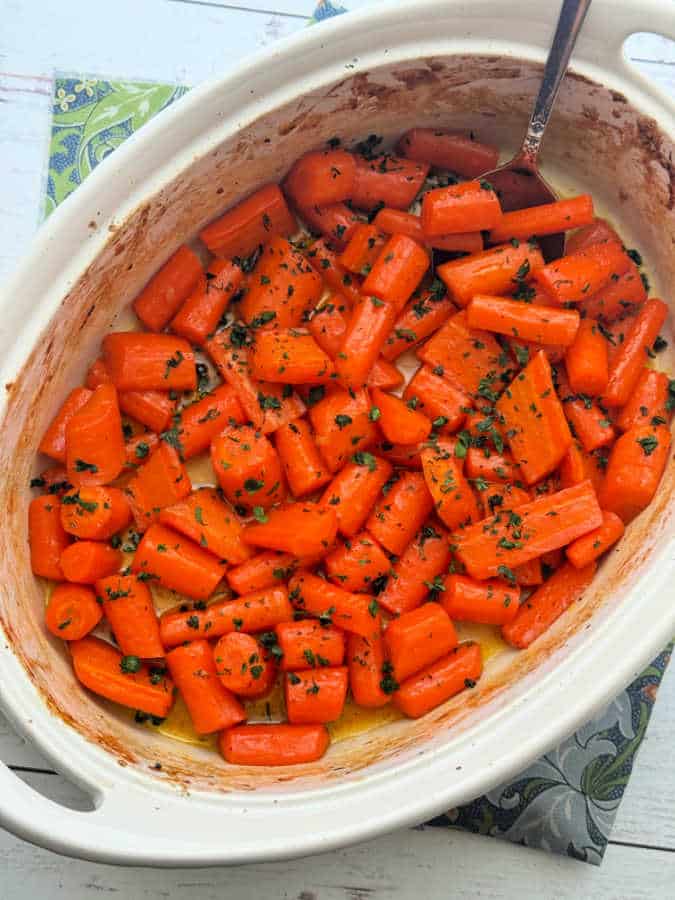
column 566, row 802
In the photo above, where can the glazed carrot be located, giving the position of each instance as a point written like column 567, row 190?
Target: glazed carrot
column 357, row 613
column 580, row 275
column 163, row 295
column 492, row 602
column 447, row 150
column 585, row 549
column 495, row 546
column 151, row 408
column 627, row 364
column 342, row 426
column 618, row 297
column 597, row 232
column 634, row 470
column 321, row 177
column 418, row 638
column 542, row 324
column 178, row 563
column 357, row 563
column 454, row 501
column 536, row 615
column 329, row 324
column 72, row 611
column 84, row 562
column 52, row 480
column 364, row 247
column 438, row 399
column 407, row 456
column 397, row 271
column 586, row 360
column 303, row 529
column 162, row 481
column 577, row 465
column 392, row 180
column 499, row 497
column 301, row 461
column 394, row 221
column 307, row 644
column 366, row 662
column 200, row 313
column 336, row 222
column 522, row 351
column 369, row 325
column 423, row 561
column 548, row 218
column 419, row 319
column 46, row 537
column 495, row 271
column 324, row 261
column 400, row 422
column 273, row 745
column 103, row 669
column 534, row 421
column 128, row 606
column 211, row 523
column 385, row 375
column 247, row 467
column 199, row 423
column 95, row 451
column 401, row 512
column 53, row 441
column 496, row 467
column 315, row 696
column 94, row 513
column 588, row 420
column 253, row 221
column 211, row 706
column 259, row 611
column 142, row 362
column 354, row 490
column 468, row 206
column 140, row 447
column 529, row 574
column 261, row 571
column 243, row 665
column 648, row 403
column 440, row 681
column 289, row 357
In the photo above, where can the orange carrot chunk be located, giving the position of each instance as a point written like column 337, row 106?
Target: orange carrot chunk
column 325, row 263
column 273, row 745
column 46, row 537
column 369, row 324
column 626, row 365
column 211, row 706
column 243, row 665
column 163, row 295
column 385, row 375
column 308, row 644
column 580, row 275
column 588, row 419
column 211, row 523
column 162, row 481
column 585, row 549
column 247, row 467
column 401, row 512
column 316, row 695
column 199, row 423
column 586, row 360
column 354, row 490
column 139, row 447
column 648, row 403
column 636, row 463
column 142, row 362
column 366, row 663
column 357, row 564
column 387, row 179
column 577, row 465
column 397, row 271
column 151, row 408
column 441, row 680
column 597, row 232
column 329, row 324
column 401, row 422
column 94, row 513
column 394, row 221
column 448, row 150
column 357, row 613
column 418, row 638
column 549, row 218
column 418, row 320
column 529, row 574
column 289, row 357
column 454, row 501
column 72, row 611
column 261, row 571
column 363, row 248
column 420, row 567
column 496, row 467
column 253, row 221
column 495, row 271
column 84, row 562
column 438, row 399
column 178, row 563
column 129, row 609
column 343, row 428
column 95, row 451
column 203, row 309
column 620, row 296
column 513, row 318
column 492, row 602
column 321, row 177
column 336, row 221
column 303, row 466
column 53, row 441
column 303, row 529
column 468, row 206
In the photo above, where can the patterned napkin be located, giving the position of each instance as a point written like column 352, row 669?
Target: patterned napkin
column 567, row 801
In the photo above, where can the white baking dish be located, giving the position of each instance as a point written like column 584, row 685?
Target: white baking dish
column 460, row 64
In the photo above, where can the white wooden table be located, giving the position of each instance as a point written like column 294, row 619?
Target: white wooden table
column 187, row 41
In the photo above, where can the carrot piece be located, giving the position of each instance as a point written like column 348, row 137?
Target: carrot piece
column 577, row 466
column 363, row 248
column 103, row 669
column 422, row 562
column 342, row 426
column 321, row 177
column 354, row 490
column 243, row 665
column 95, row 451
column 549, row 218
column 84, row 562
column 200, row 313
column 253, row 221
column 448, row 150
column 72, row 611
column 398, row 515
column 597, row 232
column 400, row 423
column 162, row 481
column 211, row 706
column 254, row 612
column 303, row 529
column 580, row 275
column 366, row 663
column 356, row 564
column 496, row 467
column 499, row 497
column 211, row 523
column 273, row 745
column 385, row 375
column 336, row 222
column 590, row 546
column 418, row 320
column 648, row 403
column 468, row 206
column 151, row 408
column 438, row 399
column 324, row 261
column 454, row 501
column 541, row 324
column 586, row 360
column 315, row 696
column 440, row 681
column 163, row 295
column 139, row 447
column 394, row 221
column 418, row 638
column 178, row 563
column 143, row 362
column 94, row 513
column 529, row 573
column 369, row 325
column 128, row 606
column 634, row 470
column 247, row 467
column 392, row 180
column 618, row 297
column 495, row 271
column 497, row 545
column 589, row 421
column 52, row 480
column 303, row 466
column 289, row 357
column 397, row 271
column 199, row 423
column 308, row 644
column 493, row 602
column 53, row 441
column 329, row 324
column 47, row 537
column 264, row 570
column 627, row 364
column 407, row 456
column 357, row 613
column 536, row 615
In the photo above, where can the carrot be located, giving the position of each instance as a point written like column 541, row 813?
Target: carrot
column 94, row 513
column 200, row 313
column 400, row 422
column 363, row 248
column 498, row 497
column 52, row 480
column 103, row 669
column 636, row 464
column 336, row 222
column 367, row 330
column 324, row 261
column 418, row 638
column 401, row 512
column 549, row 218
column 243, row 665
column 392, row 180
column 577, row 465
column 142, row 362
column 522, row 351
column 454, row 501
column 342, row 426
column 199, row 423
column 128, row 606
column 53, row 441
column 580, row 275
column 84, row 562
column 178, row 563
column 495, row 271
column 440, row 681
column 542, row 324
column 385, row 375
column 139, row 448
column 448, row 150
column 397, row 271
column 394, row 221
column 469, row 206
column 321, row 177
column 162, row 481
column 289, row 357
column 163, row 295
column 366, row 662
column 627, row 364
column 529, row 573
column 620, row 296
column 497, row 545
column 586, row 360
column 496, row 467
column 72, row 611
column 419, row 568
column 597, row 232
column 247, row 467
column 308, row 644
column 95, row 451
column 588, row 548
column 315, row 696
column 211, row 523
column 303, row 529
column 273, row 745
column 648, row 403
column 406, row 456
column 589, row 421
column 536, row 615
column 438, row 399
column 492, row 602
column 418, row 320
column 46, row 537
column 329, row 324
column 211, row 706
column 151, row 408
column 301, row 461
column 354, row 490
column 357, row 564
column 356, row 613
column 261, row 571
column 253, row 221
column 254, row 612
